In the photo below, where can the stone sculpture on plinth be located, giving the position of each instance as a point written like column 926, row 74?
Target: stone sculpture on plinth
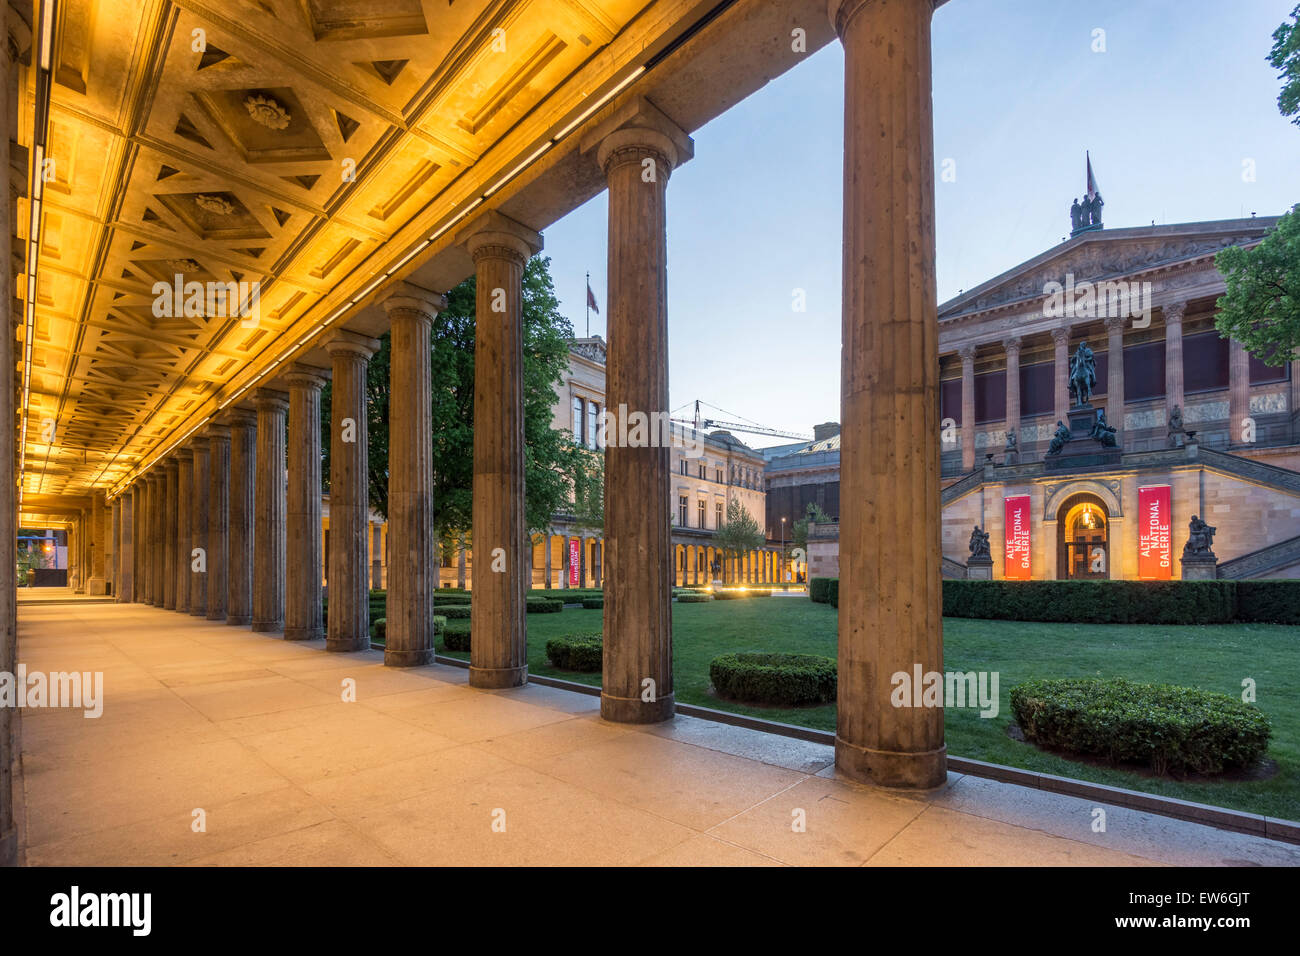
column 1199, row 561
column 979, row 566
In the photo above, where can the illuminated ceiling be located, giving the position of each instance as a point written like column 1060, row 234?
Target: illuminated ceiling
column 321, row 148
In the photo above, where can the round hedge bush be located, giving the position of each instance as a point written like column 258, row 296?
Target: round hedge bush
column 543, row 606
column 723, row 594
column 1164, row 727
column 593, row 603
column 576, row 652
column 693, row 598
column 785, row 680
column 456, row 635
column 454, row 612
column 439, row 623
column 381, row 630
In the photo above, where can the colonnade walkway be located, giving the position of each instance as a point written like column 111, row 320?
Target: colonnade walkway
column 252, row 730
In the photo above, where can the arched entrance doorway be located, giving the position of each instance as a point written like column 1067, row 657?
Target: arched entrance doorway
column 1083, row 538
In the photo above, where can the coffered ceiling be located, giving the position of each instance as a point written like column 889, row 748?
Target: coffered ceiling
column 307, row 146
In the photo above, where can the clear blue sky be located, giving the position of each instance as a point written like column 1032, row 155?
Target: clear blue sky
column 1180, row 98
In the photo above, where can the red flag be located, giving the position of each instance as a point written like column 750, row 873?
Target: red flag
column 1092, row 183
column 591, row 300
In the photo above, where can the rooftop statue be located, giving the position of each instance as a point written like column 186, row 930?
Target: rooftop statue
column 1083, row 374
column 1076, row 217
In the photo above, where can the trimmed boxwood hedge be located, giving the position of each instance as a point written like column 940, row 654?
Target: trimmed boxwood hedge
column 1111, row 602
column 440, row 598
column 593, row 603
column 543, row 606
column 381, row 630
column 439, row 623
column 576, row 652
column 1165, row 727
column 784, row 680
column 456, row 635
column 696, row 598
column 454, row 612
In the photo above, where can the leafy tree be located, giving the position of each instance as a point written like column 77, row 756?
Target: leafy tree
column 740, row 533
column 1261, row 307
column 549, row 455
column 587, row 475
column 1285, row 57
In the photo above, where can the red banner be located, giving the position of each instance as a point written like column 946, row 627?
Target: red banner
column 1017, row 538
column 1155, row 518
column 575, row 561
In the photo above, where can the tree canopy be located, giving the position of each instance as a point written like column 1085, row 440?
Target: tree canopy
column 1285, row 58
column 1261, row 305
column 553, row 463
column 739, row 533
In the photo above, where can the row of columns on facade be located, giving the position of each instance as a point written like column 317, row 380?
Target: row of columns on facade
column 889, row 615
column 1238, row 373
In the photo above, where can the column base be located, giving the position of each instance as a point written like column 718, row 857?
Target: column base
column 346, row 645
column 216, row 615
column 887, row 768
column 492, row 678
column 416, row 658
column 239, row 620
column 198, row 612
column 633, row 710
column 303, row 633
column 264, row 626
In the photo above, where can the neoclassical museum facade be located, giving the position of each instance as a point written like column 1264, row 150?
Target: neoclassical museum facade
column 1202, row 428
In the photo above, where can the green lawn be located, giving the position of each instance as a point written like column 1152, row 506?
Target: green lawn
column 1211, row 657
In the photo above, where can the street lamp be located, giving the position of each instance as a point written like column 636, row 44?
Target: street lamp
column 783, row 557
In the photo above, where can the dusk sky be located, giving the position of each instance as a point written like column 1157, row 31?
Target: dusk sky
column 1171, row 112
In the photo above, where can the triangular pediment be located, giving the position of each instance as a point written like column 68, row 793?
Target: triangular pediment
column 1107, row 254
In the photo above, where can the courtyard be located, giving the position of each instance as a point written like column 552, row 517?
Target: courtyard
column 219, row 746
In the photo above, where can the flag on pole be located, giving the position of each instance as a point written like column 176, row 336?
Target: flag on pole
column 591, row 299
column 1092, row 183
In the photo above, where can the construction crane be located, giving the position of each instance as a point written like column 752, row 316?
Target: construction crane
column 699, row 424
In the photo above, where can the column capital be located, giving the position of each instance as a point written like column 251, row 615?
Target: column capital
column 1061, row 335
column 168, row 464
column 1012, row 345
column 967, row 353
column 216, row 432
column 1115, row 323
column 842, row 11
column 198, row 443
column 271, row 399
column 408, row 300
column 1173, row 312
column 635, row 129
column 183, row 454
column 305, row 376
column 239, row 417
column 495, row 236
column 343, row 342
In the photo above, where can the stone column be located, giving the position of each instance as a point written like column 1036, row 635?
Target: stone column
column 218, row 520
column 184, row 526
column 967, row 354
column 269, row 509
column 8, row 480
column 125, row 584
column 376, row 558
column 1115, row 375
column 99, row 551
column 411, row 541
column 546, row 547
column 137, row 542
column 168, row 543
column 1061, row 368
column 1238, row 395
column 637, row 157
column 349, row 617
column 1012, row 346
column 199, row 528
column 499, row 247
column 460, row 565
column 302, row 585
column 890, row 599
column 1173, row 313
column 243, row 468
column 157, row 500
column 114, row 535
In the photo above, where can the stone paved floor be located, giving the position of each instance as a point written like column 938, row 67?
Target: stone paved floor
column 254, row 731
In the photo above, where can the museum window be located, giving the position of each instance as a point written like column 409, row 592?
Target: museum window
column 681, row 511
column 592, row 412
column 1037, row 390
column 577, row 420
column 1144, row 371
column 1261, row 374
column 717, row 515
column 1205, row 363
column 950, row 400
column 682, row 465
column 702, row 475
column 991, row 397
column 700, row 511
